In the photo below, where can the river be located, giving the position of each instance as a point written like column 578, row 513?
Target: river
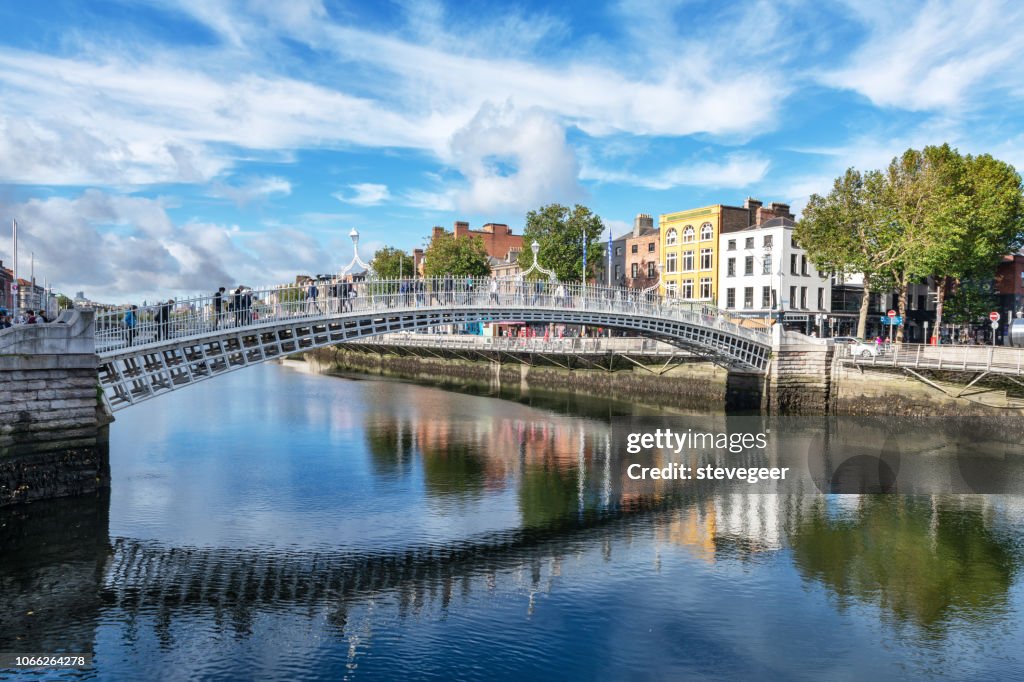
column 279, row 524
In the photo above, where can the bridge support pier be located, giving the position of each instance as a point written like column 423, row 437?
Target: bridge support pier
column 744, row 391
column 800, row 380
column 53, row 437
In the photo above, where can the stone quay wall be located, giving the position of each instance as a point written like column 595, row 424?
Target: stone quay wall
column 52, row 424
column 800, row 376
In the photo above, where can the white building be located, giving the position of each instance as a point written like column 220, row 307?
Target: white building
column 760, row 261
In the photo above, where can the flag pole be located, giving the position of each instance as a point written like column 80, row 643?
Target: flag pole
column 14, row 226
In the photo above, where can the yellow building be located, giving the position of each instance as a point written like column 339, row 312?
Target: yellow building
column 689, row 247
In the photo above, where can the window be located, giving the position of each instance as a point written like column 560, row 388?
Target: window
column 792, row 264
column 686, row 289
column 775, row 299
column 767, row 241
column 821, row 298
column 730, row 298
column 671, row 237
column 650, row 247
column 803, row 298
column 748, row 265
column 748, row 243
column 635, row 248
column 618, row 272
column 732, row 247
column 650, row 269
column 706, row 231
column 766, row 268
column 766, row 297
column 670, row 290
column 706, row 259
column 634, row 270
column 792, row 297
column 688, row 233
column 618, row 250
column 792, row 242
column 921, row 302
column 670, row 263
column 803, row 266
column 687, row 261
column 748, row 297
column 730, row 267
column 705, row 287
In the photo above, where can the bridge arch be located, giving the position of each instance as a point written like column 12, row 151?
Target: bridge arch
column 166, row 357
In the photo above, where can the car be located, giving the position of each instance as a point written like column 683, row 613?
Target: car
column 858, row 348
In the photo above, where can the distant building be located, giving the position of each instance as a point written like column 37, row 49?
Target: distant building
column 642, row 253
column 764, row 272
column 6, row 278
column 498, row 239
column 689, row 242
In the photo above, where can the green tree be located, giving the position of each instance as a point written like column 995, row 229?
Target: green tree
column 447, row 255
column 392, row 263
column 64, row 303
column 560, row 232
column 972, row 300
column 845, row 232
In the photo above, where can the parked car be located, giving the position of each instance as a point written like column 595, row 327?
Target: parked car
column 858, row 348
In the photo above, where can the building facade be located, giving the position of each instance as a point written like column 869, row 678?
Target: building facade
column 689, row 244
column 642, row 253
column 6, row 279
column 498, row 239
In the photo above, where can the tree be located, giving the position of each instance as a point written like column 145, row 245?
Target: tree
column 391, row 263
column 845, row 233
column 446, row 255
column 560, row 233
column 64, row 303
column 972, row 300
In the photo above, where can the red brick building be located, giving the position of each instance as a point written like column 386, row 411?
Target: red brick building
column 497, row 237
column 642, row 253
column 1010, row 283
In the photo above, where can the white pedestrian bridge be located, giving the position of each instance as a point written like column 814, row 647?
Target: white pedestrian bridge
column 172, row 345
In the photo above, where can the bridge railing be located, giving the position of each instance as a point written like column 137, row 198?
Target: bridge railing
column 516, row 344
column 254, row 308
column 944, row 357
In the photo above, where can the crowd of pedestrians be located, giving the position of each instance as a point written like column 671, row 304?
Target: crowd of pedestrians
column 8, row 320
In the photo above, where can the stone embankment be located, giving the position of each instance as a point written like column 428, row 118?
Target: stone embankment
column 52, row 425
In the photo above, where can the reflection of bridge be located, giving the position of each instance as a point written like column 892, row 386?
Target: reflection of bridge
column 197, row 339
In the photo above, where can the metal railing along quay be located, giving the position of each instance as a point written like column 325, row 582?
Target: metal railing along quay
column 1001, row 360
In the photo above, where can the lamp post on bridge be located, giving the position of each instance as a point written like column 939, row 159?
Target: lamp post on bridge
column 356, row 260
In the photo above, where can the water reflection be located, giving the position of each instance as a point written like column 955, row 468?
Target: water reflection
column 418, row 532
column 929, row 561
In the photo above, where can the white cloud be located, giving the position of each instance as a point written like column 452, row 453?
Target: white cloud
column 366, row 194
column 124, row 248
column 511, row 159
column 254, row 189
column 935, row 56
column 733, row 170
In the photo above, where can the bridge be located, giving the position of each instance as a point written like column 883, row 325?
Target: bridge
column 198, row 338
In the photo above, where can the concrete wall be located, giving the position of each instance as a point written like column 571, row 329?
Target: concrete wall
column 52, row 435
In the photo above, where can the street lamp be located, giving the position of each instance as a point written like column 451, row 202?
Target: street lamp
column 356, row 260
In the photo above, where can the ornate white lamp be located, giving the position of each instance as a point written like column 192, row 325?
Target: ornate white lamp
column 356, row 260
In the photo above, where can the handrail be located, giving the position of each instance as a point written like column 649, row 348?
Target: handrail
column 957, row 358
column 251, row 309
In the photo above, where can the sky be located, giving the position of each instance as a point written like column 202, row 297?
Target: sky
column 174, row 146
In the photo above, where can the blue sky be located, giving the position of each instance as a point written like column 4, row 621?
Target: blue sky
column 173, row 146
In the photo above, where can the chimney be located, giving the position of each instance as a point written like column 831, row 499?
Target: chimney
column 641, row 222
column 436, row 232
column 780, row 210
column 461, row 227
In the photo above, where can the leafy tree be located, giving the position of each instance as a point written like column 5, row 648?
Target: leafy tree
column 560, row 232
column 391, row 263
column 447, row 255
column 845, row 233
column 64, row 303
column 972, row 301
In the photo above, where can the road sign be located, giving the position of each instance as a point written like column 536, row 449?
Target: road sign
column 995, row 324
column 14, row 287
column 994, row 316
column 894, row 321
column 891, row 313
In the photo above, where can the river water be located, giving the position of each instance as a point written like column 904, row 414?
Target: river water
column 278, row 524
